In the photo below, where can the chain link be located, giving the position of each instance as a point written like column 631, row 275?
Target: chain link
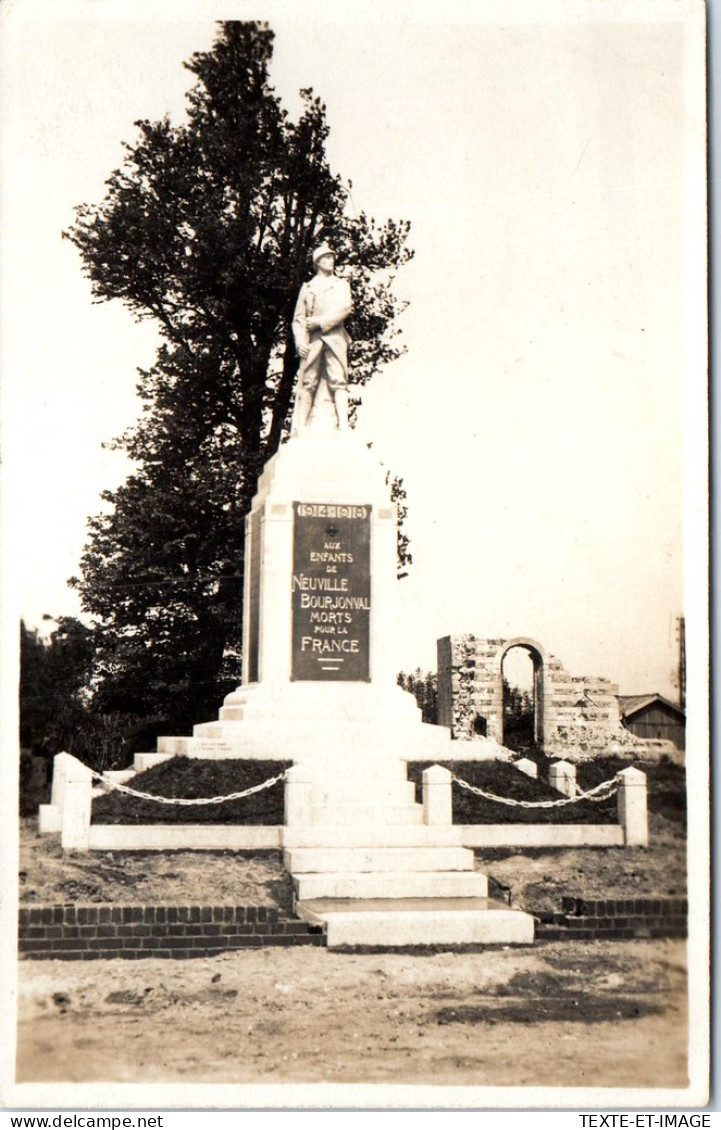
column 189, row 801
column 599, row 793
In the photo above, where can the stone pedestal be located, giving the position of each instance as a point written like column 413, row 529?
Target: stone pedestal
column 319, row 689
column 319, row 648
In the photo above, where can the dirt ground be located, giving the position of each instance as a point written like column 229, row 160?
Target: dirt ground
column 535, row 878
column 563, row 1014
column 572, row 1014
column 183, row 877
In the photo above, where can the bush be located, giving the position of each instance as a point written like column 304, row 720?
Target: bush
column 35, row 773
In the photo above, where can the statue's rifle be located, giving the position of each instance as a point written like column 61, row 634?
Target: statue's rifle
column 306, row 316
column 302, row 366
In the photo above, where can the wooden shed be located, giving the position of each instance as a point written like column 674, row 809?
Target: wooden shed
column 653, row 716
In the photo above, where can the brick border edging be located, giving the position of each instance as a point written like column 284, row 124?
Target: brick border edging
column 588, row 919
column 103, row 930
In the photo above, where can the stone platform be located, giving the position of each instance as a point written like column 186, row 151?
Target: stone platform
column 389, row 922
column 281, row 721
column 383, row 881
column 319, row 690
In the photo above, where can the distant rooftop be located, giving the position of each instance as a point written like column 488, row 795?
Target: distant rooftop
column 631, row 703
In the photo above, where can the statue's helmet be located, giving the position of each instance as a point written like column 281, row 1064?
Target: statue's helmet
column 321, row 250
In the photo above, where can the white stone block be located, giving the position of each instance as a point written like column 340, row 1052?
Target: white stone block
column 143, row 761
column 49, row 819
column 437, row 796
column 379, row 859
column 633, row 807
column 370, row 835
column 334, row 468
column 76, row 810
column 298, row 797
column 525, row 765
column 185, row 837
column 540, row 835
column 357, row 815
column 62, row 764
column 562, row 777
column 119, row 776
column 429, row 928
column 392, row 884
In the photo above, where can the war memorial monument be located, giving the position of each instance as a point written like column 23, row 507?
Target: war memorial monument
column 370, row 864
column 319, row 678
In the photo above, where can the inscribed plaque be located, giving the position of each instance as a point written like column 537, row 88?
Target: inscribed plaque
column 331, row 591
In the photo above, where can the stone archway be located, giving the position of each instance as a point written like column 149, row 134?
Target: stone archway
column 538, row 659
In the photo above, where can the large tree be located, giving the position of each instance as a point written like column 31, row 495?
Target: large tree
column 207, row 228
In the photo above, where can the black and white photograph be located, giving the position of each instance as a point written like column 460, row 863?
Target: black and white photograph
column 355, row 639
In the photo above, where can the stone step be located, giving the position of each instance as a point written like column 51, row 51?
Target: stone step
column 220, row 748
column 355, row 815
column 392, row 885
column 231, row 713
column 373, row 791
column 117, row 776
column 143, row 761
column 390, row 923
column 371, row 835
column 172, row 746
column 257, row 733
column 209, row 730
column 299, row 860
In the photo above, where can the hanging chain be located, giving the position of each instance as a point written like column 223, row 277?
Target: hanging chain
column 597, row 794
column 189, row 801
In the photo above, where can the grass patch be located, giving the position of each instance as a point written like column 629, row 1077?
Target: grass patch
column 195, row 778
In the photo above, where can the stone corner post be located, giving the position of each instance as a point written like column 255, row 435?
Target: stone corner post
column 633, row 807
column 525, row 765
column 562, row 778
column 76, row 804
column 437, row 796
column 50, row 815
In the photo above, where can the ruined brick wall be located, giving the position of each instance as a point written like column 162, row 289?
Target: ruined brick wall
column 457, row 684
column 577, row 717
column 472, row 700
column 447, row 682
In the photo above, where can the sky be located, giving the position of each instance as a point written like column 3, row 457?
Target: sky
column 547, row 418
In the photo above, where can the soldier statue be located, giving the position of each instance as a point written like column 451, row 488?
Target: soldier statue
column 321, row 339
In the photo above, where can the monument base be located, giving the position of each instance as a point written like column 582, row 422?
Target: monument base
column 319, row 690
column 300, row 720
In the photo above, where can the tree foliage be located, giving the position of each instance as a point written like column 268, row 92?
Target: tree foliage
column 53, row 679
column 424, row 687
column 518, row 717
column 207, row 228
column 57, row 711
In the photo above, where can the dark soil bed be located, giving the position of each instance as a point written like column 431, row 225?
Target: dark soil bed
column 503, row 780
column 195, row 778
column 666, row 792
